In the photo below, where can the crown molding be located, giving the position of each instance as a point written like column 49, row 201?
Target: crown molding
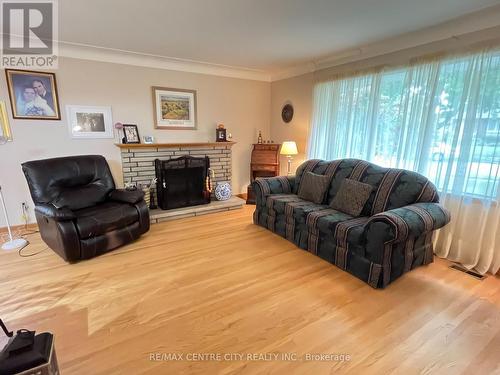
column 110, row 55
column 485, row 20
column 294, row 71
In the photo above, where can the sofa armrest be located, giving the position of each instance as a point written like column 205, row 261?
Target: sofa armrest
column 399, row 224
column 58, row 214
column 272, row 185
column 126, row 196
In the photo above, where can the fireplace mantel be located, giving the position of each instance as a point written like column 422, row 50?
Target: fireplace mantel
column 161, row 145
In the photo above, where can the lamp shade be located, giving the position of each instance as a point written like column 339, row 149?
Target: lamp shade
column 289, row 148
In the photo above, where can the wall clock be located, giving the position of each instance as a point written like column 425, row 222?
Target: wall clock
column 287, row 113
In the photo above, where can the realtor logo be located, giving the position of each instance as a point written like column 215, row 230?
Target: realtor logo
column 29, row 34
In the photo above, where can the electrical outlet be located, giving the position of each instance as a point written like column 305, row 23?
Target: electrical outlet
column 25, row 212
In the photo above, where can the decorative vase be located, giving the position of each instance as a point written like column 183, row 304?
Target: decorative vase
column 147, row 195
column 222, row 191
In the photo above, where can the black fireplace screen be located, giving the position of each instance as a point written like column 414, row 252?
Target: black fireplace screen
column 181, row 182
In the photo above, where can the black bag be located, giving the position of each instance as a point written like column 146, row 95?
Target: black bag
column 26, row 351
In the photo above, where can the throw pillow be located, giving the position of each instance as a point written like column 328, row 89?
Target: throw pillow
column 313, row 187
column 351, row 197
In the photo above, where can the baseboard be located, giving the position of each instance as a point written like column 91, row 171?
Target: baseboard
column 19, row 228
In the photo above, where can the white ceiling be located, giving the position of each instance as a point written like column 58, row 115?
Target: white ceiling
column 265, row 35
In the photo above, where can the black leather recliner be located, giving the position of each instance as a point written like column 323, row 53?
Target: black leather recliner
column 79, row 212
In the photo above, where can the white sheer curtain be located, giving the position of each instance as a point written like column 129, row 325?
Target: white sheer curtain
column 440, row 118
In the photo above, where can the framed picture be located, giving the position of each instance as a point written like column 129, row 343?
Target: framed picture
column 131, row 134
column 148, row 139
column 89, row 121
column 5, row 133
column 220, row 135
column 174, row 108
column 33, row 95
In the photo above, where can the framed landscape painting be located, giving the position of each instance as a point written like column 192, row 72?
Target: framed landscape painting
column 89, row 121
column 33, row 95
column 174, row 108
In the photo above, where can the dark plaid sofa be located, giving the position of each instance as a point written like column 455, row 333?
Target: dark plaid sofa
column 392, row 235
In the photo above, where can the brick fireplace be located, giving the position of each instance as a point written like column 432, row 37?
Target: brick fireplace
column 138, row 160
column 138, row 166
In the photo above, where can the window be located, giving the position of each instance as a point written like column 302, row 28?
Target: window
column 440, row 118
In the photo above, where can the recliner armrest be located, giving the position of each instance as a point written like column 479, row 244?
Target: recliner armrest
column 58, row 214
column 126, row 196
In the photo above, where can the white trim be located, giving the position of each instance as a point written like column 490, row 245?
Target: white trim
column 294, row 71
column 89, row 52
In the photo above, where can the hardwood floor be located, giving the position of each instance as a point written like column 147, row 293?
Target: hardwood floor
column 219, row 285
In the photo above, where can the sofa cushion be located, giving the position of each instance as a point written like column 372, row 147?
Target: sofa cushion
column 300, row 212
column 313, row 187
column 275, row 203
column 105, row 217
column 327, row 226
column 58, row 214
column 351, row 197
column 327, row 220
column 400, row 188
column 78, row 197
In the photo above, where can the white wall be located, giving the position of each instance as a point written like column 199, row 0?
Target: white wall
column 298, row 92
column 242, row 105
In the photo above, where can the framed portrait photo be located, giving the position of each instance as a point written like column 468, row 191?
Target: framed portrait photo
column 89, row 121
column 174, row 108
column 33, row 95
column 131, row 134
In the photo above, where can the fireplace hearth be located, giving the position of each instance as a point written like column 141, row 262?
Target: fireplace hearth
column 182, row 182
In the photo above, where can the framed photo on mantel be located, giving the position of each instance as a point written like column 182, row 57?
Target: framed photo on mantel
column 174, row 109
column 131, row 134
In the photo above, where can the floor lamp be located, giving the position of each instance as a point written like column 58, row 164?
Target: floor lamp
column 12, row 244
column 289, row 148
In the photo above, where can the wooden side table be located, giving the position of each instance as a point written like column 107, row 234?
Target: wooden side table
column 265, row 162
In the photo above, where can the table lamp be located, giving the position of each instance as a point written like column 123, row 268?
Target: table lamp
column 289, row 148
